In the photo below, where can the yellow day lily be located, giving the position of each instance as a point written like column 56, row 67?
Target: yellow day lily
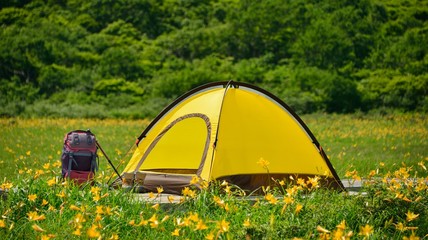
column 201, row 225
column 37, row 228
column 367, row 230
column 223, row 225
column 322, row 230
column 33, row 216
column 176, row 232
column 92, row 232
column 247, row 223
column 298, row 208
column 410, row 216
column 32, row 197
column 195, row 180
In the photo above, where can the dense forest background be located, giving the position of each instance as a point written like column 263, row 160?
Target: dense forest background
column 130, row 58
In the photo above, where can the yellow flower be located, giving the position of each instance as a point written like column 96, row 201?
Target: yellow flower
column 105, row 195
column 95, row 190
column 313, row 182
column 156, row 206
column 114, row 236
column 151, row 195
column 218, row 201
column 288, row 200
column 338, row 234
column 74, row 207
column 342, row 225
column 57, row 164
column 159, row 189
column 46, row 166
column 324, row 236
column 195, row 180
column 44, row 202
column 154, row 221
column 176, row 232
column 6, row 185
column 227, row 189
column 188, row 192
column 410, row 216
column 400, row 227
column 77, row 232
column 28, row 153
column 223, row 226
column 204, row 184
column 142, row 223
column 411, row 237
column 322, row 230
column 37, row 228
column 61, row 194
column 422, row 165
column 96, row 197
column 98, row 218
column 132, row 222
column 194, row 217
column 292, row 190
column 165, row 218
column 92, row 232
column 201, row 225
column 108, row 211
column 170, row 198
column 298, row 208
column 32, row 197
column 301, row 182
column 2, row 223
column 367, row 230
column 264, row 163
column 99, row 210
column 33, row 216
column 226, row 207
column 247, row 223
column 372, row 173
column 47, row 237
column 210, row 236
column 271, row 198
column 79, row 218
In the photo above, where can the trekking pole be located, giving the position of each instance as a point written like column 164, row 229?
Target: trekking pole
column 108, row 159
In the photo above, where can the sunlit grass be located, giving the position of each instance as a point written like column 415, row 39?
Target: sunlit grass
column 366, row 142
column 395, row 205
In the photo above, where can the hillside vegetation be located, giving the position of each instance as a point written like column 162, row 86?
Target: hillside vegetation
column 130, row 58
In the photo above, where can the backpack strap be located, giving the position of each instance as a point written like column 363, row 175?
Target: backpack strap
column 94, row 165
column 70, row 162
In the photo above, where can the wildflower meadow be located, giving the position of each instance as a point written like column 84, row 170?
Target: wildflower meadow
column 389, row 153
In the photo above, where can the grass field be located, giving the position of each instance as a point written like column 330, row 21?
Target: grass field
column 395, row 147
column 352, row 142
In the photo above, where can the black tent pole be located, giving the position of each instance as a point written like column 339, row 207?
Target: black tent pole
column 108, row 159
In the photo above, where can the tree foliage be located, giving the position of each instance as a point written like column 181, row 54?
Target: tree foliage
column 128, row 58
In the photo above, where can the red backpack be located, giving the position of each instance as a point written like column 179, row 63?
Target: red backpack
column 79, row 156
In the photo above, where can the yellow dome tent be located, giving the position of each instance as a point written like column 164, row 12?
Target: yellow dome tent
column 221, row 131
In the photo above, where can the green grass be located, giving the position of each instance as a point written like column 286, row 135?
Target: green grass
column 363, row 142
column 39, row 206
column 359, row 142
